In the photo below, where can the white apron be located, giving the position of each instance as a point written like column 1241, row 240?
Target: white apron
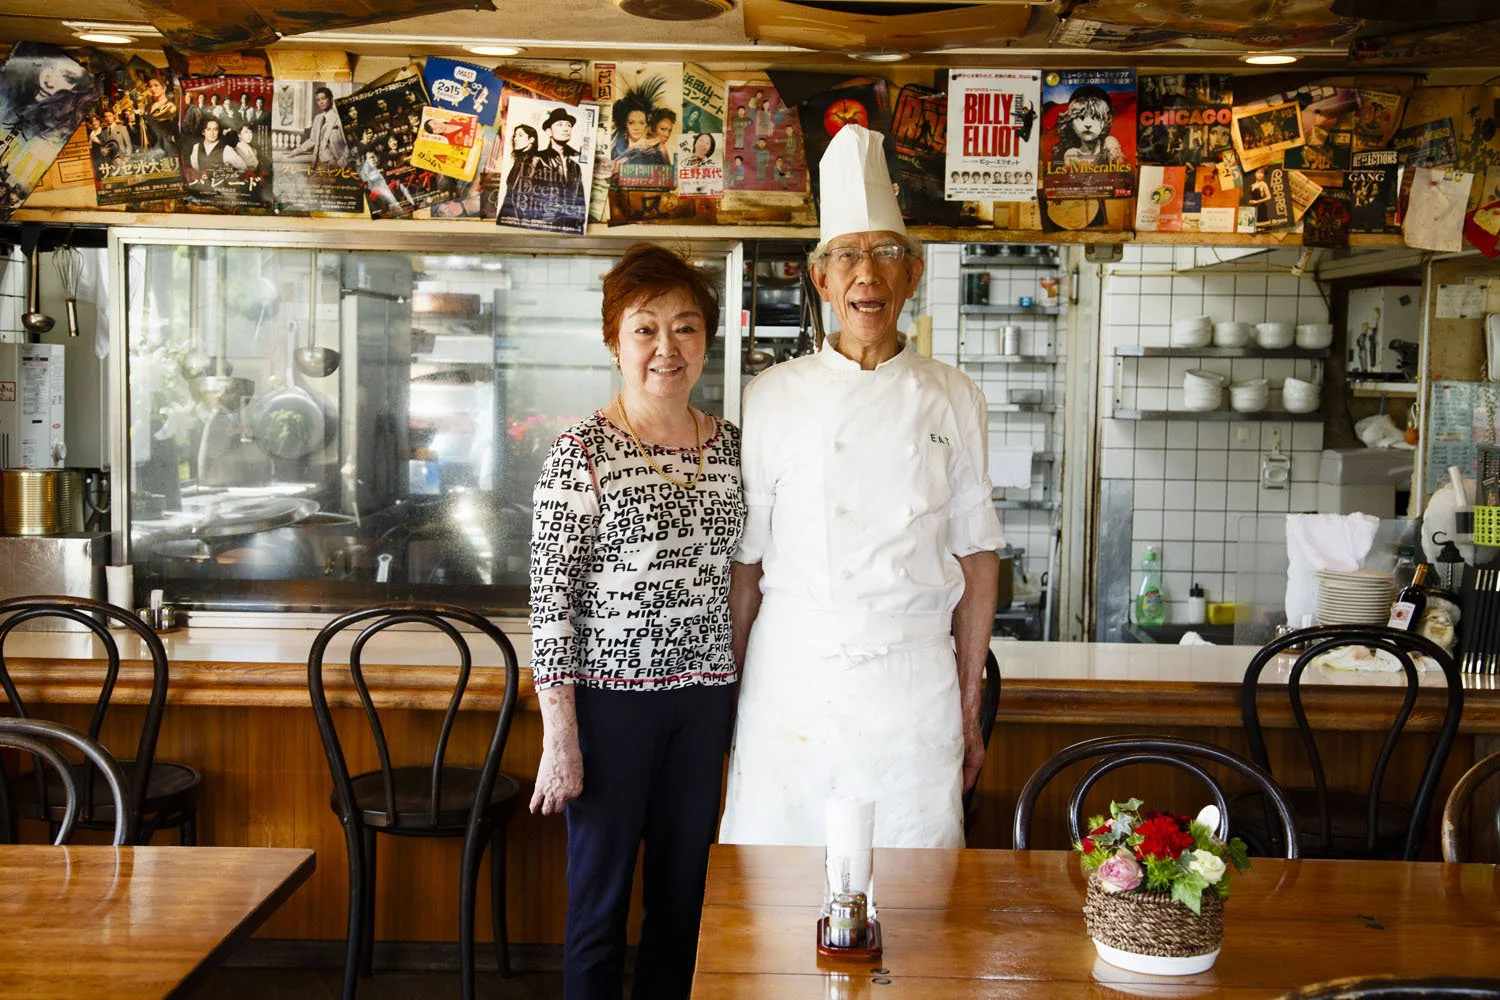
column 847, row 704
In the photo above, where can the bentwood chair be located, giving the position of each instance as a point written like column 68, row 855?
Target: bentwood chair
column 989, row 707
column 163, row 794
column 1455, row 847
column 431, row 799
column 1121, row 751
column 1389, row 988
column 40, row 739
column 1338, row 823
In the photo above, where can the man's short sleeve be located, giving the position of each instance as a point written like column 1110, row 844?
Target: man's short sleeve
column 972, row 523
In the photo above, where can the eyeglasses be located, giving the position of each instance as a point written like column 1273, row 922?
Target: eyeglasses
column 884, row 255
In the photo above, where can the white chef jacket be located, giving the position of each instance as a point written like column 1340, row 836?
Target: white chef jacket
column 864, row 487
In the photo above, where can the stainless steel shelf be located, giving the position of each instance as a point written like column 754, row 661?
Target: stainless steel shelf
column 1006, row 260
column 1262, row 415
column 1136, row 351
column 1009, row 359
column 1023, row 407
column 1003, row 504
column 990, row 310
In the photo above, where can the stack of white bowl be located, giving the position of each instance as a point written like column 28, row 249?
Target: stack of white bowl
column 1195, row 331
column 1250, row 396
column 1359, row 598
column 1299, row 396
column 1232, row 334
column 1203, row 390
column 1314, row 336
column 1274, row 336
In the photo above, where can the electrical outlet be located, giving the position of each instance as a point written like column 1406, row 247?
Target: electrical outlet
column 1242, row 433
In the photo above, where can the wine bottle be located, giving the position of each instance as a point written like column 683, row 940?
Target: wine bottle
column 1407, row 611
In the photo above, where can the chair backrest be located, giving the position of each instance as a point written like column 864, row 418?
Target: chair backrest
column 1400, row 644
column 989, row 707
column 40, row 739
column 87, row 613
column 1120, row 751
column 1390, row 988
column 1454, row 846
column 374, row 620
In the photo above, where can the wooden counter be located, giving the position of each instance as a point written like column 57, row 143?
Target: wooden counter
column 239, row 712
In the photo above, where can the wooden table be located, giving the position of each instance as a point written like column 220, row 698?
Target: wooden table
column 131, row 922
column 1004, row 924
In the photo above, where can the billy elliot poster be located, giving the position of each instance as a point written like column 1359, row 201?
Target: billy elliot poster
column 1088, row 133
column 993, row 135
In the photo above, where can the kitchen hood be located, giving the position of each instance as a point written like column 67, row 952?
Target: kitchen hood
column 1315, row 262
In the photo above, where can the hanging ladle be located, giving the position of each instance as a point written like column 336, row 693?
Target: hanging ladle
column 312, row 360
column 34, row 320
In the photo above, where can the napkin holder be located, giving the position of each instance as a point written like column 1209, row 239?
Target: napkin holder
column 848, row 928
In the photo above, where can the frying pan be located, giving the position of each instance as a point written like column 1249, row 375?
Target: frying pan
column 290, row 422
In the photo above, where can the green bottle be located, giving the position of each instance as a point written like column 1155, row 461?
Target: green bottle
column 1150, row 603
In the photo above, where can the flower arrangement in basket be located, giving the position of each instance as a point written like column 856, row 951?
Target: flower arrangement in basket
column 1157, row 884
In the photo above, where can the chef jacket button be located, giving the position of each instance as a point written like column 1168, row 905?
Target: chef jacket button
column 846, row 573
column 838, row 446
column 839, row 512
column 902, row 573
column 911, row 450
column 911, row 512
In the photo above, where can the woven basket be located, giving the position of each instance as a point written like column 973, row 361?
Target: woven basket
column 1151, row 923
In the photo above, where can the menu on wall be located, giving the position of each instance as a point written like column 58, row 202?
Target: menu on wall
column 1460, row 414
column 993, row 135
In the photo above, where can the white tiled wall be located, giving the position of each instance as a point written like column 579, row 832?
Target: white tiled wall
column 956, row 337
column 12, row 297
column 1193, row 480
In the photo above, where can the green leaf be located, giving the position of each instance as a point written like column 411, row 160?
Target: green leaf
column 1189, row 892
column 1239, row 854
column 1095, row 822
column 1161, row 872
column 1132, row 806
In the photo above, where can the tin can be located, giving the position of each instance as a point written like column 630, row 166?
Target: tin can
column 848, row 917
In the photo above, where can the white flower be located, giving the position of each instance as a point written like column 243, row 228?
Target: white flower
column 1207, row 864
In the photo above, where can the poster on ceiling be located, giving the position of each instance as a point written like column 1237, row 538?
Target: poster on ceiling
column 994, row 126
column 44, row 96
column 1088, row 133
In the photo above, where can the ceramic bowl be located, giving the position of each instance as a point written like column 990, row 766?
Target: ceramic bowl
column 1195, row 331
column 1250, row 396
column 1314, row 336
column 1200, row 400
column 1274, row 336
column 1298, row 396
column 1232, row 334
column 1202, row 378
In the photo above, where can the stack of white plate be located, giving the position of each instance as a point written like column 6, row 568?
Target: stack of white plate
column 1194, row 331
column 1299, row 396
column 1360, row 598
column 1203, row 390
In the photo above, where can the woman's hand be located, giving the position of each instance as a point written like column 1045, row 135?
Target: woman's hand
column 559, row 776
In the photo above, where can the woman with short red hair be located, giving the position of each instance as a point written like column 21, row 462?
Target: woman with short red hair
column 637, row 514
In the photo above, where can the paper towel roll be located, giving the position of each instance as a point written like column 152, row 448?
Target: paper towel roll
column 119, row 584
column 850, row 825
column 849, row 860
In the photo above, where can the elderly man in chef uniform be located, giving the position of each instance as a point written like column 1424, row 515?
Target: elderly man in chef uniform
column 863, row 590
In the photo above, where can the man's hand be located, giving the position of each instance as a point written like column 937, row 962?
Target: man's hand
column 973, row 755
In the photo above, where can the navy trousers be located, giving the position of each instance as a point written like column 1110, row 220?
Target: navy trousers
column 653, row 766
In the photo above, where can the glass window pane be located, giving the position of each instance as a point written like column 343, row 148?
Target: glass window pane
column 325, row 428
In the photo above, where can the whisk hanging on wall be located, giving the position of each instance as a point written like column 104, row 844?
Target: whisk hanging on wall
column 69, row 264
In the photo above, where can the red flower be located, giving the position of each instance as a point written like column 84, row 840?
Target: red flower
column 1088, row 843
column 1162, row 837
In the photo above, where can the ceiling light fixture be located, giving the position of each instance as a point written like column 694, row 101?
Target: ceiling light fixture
column 1269, row 59
column 494, row 50
column 105, row 38
column 880, row 57
column 130, row 29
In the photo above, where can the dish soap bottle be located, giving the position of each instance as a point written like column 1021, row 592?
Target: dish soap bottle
column 1197, row 609
column 1150, row 603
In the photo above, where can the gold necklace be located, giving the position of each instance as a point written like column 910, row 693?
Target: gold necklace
column 697, row 434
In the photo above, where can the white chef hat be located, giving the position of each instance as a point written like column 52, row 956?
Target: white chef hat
column 856, row 189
